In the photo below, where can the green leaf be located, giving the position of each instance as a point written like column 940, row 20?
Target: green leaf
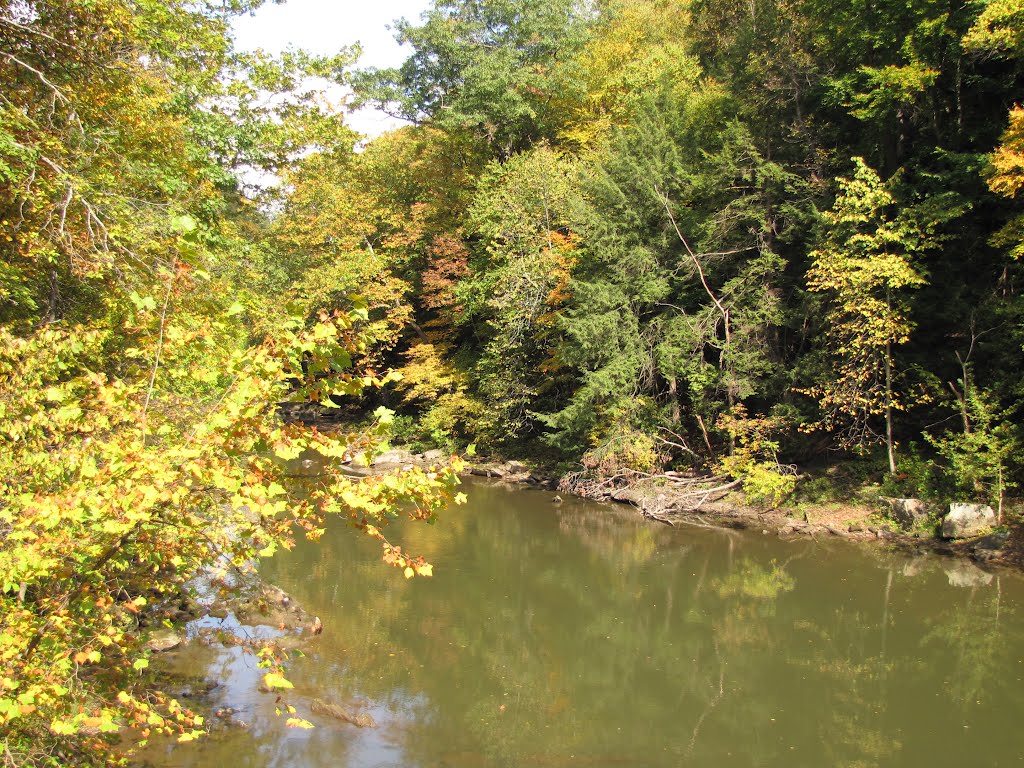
column 182, row 225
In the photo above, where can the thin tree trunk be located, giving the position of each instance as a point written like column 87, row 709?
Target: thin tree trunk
column 725, row 359
column 673, row 393
column 53, row 297
column 888, row 410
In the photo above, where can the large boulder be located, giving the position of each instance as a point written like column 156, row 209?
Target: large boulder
column 488, row 470
column 966, row 520
column 907, row 512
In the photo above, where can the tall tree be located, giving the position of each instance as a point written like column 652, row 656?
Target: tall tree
column 675, row 293
column 522, row 216
column 632, row 48
column 483, row 67
column 864, row 264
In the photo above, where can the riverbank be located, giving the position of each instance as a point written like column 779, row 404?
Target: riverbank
column 676, row 499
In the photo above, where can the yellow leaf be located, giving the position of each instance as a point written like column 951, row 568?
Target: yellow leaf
column 409, row 573
column 275, row 680
column 63, row 727
column 55, row 395
column 268, row 550
column 425, row 570
column 298, row 722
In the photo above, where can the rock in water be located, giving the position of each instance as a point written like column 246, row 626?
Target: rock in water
column 163, row 640
column 338, row 712
column 965, row 520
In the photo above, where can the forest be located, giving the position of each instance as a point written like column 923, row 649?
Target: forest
column 761, row 240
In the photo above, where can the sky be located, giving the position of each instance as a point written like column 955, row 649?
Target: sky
column 324, row 27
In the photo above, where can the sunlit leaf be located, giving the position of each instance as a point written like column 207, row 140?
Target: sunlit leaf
column 275, row 680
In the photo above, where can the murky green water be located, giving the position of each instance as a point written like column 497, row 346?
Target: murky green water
column 576, row 634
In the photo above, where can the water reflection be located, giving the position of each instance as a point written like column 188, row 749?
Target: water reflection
column 578, row 635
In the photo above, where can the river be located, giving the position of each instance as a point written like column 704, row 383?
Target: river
column 578, row 634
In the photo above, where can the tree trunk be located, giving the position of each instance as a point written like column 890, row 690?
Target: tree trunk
column 673, row 393
column 53, row 297
column 888, row 410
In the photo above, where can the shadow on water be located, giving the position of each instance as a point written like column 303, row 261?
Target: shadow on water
column 579, row 635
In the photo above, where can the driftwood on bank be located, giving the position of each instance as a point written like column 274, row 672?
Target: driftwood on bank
column 656, row 495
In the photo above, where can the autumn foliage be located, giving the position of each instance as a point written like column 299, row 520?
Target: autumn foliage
column 140, row 440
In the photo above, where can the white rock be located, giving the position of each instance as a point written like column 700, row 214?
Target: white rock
column 966, row 520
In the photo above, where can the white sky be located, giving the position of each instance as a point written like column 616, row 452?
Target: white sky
column 326, row 26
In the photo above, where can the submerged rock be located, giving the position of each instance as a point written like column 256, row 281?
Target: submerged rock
column 163, row 640
column 965, row 520
column 338, row 712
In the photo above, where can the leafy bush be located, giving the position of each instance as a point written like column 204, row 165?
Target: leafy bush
column 918, row 477
column 625, row 450
column 754, row 459
column 977, row 459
